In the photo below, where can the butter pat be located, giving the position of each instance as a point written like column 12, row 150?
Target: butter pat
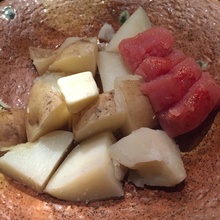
column 79, row 90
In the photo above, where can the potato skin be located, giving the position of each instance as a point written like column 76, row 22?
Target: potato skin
column 12, row 129
column 139, row 112
column 100, row 116
column 46, row 109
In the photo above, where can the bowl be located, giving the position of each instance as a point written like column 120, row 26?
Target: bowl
column 46, row 23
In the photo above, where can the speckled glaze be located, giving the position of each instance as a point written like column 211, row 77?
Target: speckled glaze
column 46, row 23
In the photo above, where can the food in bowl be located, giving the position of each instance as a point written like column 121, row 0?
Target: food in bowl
column 158, row 194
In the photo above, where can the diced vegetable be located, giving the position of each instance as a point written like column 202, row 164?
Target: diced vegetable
column 110, row 66
column 12, row 127
column 33, row 163
column 87, row 174
column 43, row 58
column 100, row 116
column 46, row 108
column 106, row 32
column 77, row 57
column 152, row 155
column 135, row 24
column 130, row 99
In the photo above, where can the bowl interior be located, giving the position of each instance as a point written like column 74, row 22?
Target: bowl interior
column 46, row 24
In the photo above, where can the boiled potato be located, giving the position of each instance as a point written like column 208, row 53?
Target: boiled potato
column 130, row 99
column 43, row 58
column 152, row 156
column 106, row 32
column 100, row 116
column 110, row 66
column 33, row 163
column 46, row 108
column 119, row 170
column 77, row 57
column 136, row 23
column 67, row 42
column 12, row 127
column 87, row 174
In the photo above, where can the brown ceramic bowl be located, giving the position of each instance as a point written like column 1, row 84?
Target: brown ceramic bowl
column 46, row 23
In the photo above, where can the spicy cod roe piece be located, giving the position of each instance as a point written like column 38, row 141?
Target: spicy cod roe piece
column 171, row 87
column 156, row 41
column 154, row 66
column 193, row 108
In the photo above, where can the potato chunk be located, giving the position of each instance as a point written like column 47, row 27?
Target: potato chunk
column 12, row 127
column 46, row 108
column 102, row 115
column 130, row 99
column 110, row 66
column 77, row 57
column 33, row 163
column 87, row 174
column 135, row 24
column 152, row 156
column 43, row 58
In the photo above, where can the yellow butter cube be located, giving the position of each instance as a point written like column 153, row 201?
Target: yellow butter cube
column 79, row 90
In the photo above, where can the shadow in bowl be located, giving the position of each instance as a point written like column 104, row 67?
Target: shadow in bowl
column 187, row 142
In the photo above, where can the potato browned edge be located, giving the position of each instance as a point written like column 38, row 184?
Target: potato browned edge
column 12, row 129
